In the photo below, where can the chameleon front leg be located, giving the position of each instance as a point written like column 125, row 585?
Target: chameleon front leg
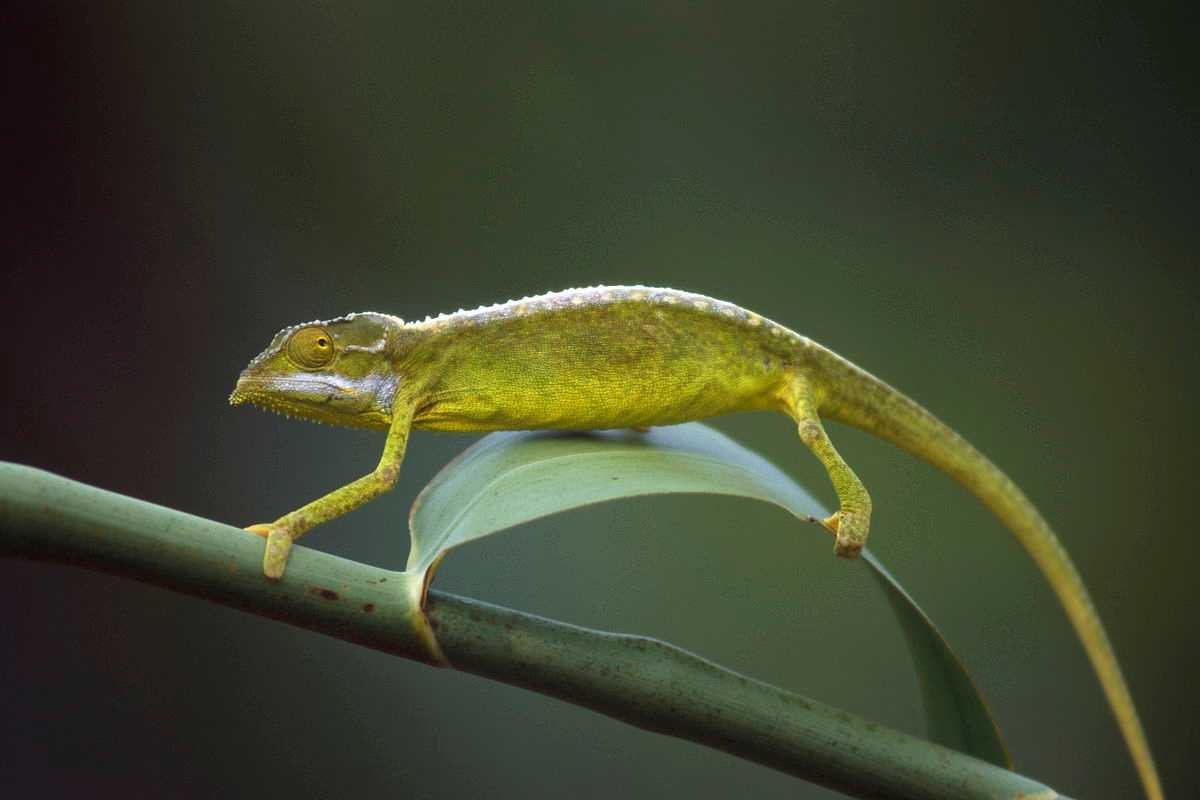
column 852, row 521
column 282, row 532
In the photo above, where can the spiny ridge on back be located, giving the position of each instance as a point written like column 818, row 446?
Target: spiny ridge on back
column 600, row 295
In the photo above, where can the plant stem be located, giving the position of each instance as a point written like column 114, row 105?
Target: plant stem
column 642, row 681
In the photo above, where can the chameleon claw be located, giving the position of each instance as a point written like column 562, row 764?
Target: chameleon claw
column 279, row 546
column 850, row 528
column 259, row 529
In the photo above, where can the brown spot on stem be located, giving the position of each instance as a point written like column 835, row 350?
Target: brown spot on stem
column 327, row 594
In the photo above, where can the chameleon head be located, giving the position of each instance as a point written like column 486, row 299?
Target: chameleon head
column 338, row 371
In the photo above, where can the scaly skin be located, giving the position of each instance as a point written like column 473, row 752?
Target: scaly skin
column 610, row 357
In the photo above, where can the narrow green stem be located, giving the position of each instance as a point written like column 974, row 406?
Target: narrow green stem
column 641, row 681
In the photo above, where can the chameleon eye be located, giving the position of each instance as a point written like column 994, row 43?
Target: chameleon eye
column 310, row 348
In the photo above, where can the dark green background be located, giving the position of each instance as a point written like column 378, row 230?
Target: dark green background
column 990, row 205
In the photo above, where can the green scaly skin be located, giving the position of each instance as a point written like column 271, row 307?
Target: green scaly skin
column 611, row 357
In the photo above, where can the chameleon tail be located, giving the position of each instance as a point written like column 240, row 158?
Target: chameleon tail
column 857, row 398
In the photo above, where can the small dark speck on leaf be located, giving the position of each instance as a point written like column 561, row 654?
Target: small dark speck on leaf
column 368, row 607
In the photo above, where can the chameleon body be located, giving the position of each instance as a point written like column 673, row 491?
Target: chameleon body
column 608, row 357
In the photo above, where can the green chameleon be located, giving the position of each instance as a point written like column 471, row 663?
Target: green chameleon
column 630, row 356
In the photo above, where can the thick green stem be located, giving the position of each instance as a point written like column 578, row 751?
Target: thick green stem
column 641, row 681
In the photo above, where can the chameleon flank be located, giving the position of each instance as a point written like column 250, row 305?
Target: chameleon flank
column 613, row 357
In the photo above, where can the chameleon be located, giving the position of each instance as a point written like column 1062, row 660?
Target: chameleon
column 632, row 357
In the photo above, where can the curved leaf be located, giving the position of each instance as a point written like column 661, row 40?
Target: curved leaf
column 510, row 478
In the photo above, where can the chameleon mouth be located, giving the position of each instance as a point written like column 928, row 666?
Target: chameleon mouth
column 329, row 404
column 264, row 394
column 249, row 390
column 267, row 402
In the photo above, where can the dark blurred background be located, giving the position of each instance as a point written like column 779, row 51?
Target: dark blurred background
column 992, row 206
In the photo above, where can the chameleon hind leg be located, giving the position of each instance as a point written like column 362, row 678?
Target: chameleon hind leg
column 282, row 532
column 851, row 522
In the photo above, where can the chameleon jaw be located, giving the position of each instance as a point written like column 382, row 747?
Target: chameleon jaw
column 353, row 411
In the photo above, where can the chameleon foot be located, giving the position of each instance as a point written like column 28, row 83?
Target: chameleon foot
column 260, row 529
column 850, row 528
column 279, row 546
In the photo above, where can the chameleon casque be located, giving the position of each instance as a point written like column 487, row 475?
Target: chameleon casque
column 613, row 357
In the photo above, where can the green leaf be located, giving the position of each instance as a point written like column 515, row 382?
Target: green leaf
column 510, row 478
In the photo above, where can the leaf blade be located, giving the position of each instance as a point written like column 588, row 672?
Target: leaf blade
column 510, row 478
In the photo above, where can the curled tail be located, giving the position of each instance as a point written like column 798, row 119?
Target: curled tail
column 853, row 396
